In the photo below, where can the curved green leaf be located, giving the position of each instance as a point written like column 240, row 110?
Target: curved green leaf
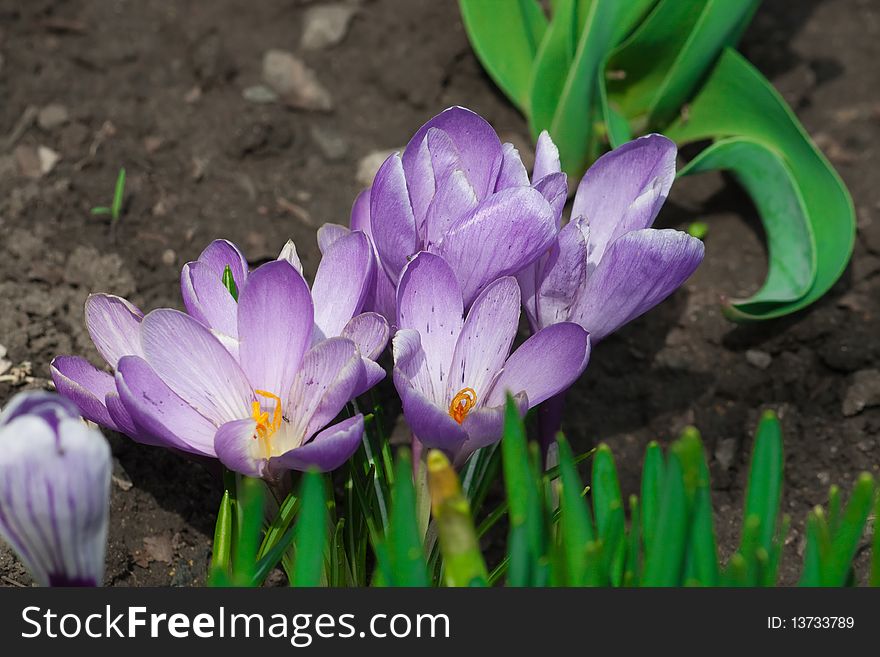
column 405, row 548
column 737, row 101
column 551, row 65
column 659, row 67
column 505, row 35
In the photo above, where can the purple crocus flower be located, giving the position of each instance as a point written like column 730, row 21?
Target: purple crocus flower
column 54, row 490
column 607, row 265
column 460, row 193
column 255, row 391
column 453, row 372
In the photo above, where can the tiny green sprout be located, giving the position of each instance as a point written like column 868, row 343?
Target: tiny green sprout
column 698, row 229
column 115, row 209
column 229, row 283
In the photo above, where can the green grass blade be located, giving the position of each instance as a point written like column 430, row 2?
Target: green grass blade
column 575, row 526
column 608, row 510
column 703, row 551
column 251, row 497
column 222, row 550
column 764, row 488
column 118, row 196
column 633, row 571
column 845, row 542
column 310, row 532
column 874, row 579
column 664, row 562
column 653, row 472
column 405, row 547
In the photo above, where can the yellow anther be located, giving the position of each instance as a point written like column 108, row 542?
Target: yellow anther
column 266, row 428
column 464, row 400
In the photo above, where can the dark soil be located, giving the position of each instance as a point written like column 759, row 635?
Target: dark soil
column 156, row 86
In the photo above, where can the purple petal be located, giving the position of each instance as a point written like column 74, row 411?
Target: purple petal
column 564, row 273
column 204, row 295
column 429, row 301
column 54, row 498
column 195, row 365
column 546, row 157
column 485, row 339
column 239, row 450
column 342, row 282
column 120, row 415
column 113, row 324
column 624, row 190
column 275, row 324
column 159, row 416
column 371, row 374
column 86, row 386
column 502, row 236
column 391, row 217
column 326, row 451
column 360, row 214
column 454, row 200
column 288, row 253
column 513, row 172
column 431, row 424
column 554, row 188
column 369, row 331
column 476, row 141
column 544, row 365
column 411, row 363
column 639, row 270
column 325, row 383
column 485, row 425
column 329, row 233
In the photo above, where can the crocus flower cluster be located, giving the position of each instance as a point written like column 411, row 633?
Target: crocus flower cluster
column 54, row 490
column 253, row 374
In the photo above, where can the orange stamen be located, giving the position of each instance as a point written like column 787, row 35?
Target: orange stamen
column 266, row 428
column 464, row 400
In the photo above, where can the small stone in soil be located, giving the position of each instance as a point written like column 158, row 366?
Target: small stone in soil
column 259, row 94
column 369, row 165
column 52, row 116
column 758, row 358
column 725, row 452
column 48, row 159
column 120, row 476
column 863, row 392
column 331, row 144
column 295, row 82
column 326, row 25
column 169, row 257
column 28, row 161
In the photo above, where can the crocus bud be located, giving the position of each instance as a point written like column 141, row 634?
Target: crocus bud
column 54, row 490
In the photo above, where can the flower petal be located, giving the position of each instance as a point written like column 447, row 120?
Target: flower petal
column 503, row 235
column 513, row 172
column 326, row 451
column 325, row 383
column 238, row 450
column 360, row 216
column 476, row 141
column 485, row 425
column 275, row 324
column 288, row 253
column 429, row 301
column 546, row 157
column 195, row 365
column 554, row 188
column 564, row 273
column 371, row 375
column 343, row 280
column 329, row 233
column 544, row 365
column 391, row 217
column 485, row 339
column 160, row 416
column 369, row 331
column 431, row 424
column 113, row 324
column 201, row 282
column 639, row 270
column 455, row 198
column 54, row 498
column 624, row 190
column 86, row 386
column 121, row 416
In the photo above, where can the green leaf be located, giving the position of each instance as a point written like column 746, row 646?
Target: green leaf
column 633, row 571
column 505, row 35
column 551, row 65
column 524, row 498
column 653, row 473
column 845, row 542
column 738, row 102
column 310, row 532
column 703, row 552
column 659, row 67
column 764, row 488
column 280, row 524
column 118, row 196
column 875, row 547
column 229, row 282
column 812, row 571
column 404, row 538
column 222, row 550
column 608, row 509
column 575, row 525
column 250, row 497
